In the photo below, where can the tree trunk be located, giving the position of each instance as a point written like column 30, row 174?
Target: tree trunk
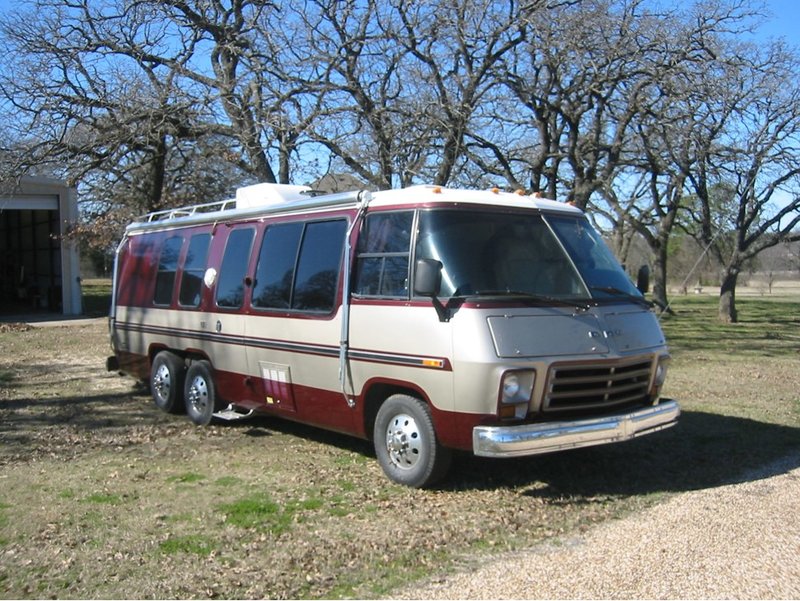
column 660, row 276
column 158, row 169
column 727, row 297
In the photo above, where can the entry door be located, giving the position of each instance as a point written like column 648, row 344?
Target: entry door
column 293, row 332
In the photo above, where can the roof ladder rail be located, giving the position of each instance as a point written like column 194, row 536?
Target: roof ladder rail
column 208, row 207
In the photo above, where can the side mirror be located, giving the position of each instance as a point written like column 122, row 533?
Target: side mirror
column 643, row 279
column 428, row 277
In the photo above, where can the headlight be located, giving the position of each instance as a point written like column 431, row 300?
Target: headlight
column 510, row 387
column 516, row 388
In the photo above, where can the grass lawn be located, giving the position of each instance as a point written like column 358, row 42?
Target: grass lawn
column 103, row 496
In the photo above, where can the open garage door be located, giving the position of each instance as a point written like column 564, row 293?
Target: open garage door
column 30, row 255
column 38, row 268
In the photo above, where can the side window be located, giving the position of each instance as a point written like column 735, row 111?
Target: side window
column 167, row 266
column 193, row 268
column 318, row 266
column 230, row 285
column 383, row 252
column 276, row 261
column 298, row 266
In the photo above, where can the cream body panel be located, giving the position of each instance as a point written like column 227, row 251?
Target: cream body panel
column 308, row 346
column 383, row 336
column 219, row 336
column 236, row 343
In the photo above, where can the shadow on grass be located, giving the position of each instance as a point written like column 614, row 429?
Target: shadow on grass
column 703, row 450
column 86, row 412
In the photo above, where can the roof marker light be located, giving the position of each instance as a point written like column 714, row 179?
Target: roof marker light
column 437, row 190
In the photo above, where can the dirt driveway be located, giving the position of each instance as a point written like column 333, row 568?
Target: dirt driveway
column 740, row 541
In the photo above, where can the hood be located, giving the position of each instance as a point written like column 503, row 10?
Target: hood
column 557, row 334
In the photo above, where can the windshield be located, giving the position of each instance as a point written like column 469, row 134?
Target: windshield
column 598, row 266
column 491, row 254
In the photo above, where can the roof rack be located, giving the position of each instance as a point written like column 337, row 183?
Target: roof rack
column 201, row 213
column 246, row 197
column 208, row 207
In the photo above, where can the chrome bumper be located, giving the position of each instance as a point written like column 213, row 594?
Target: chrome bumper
column 534, row 439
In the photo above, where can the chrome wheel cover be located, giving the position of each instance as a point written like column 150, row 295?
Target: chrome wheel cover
column 162, row 383
column 404, row 441
column 198, row 395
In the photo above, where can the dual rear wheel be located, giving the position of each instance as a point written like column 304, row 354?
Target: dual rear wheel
column 176, row 389
column 166, row 382
column 200, row 393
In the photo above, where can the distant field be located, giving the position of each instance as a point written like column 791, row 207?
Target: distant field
column 757, row 285
column 96, row 296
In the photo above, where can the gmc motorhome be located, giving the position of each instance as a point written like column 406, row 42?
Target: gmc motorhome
column 426, row 319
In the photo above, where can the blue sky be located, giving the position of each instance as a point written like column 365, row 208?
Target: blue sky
column 784, row 21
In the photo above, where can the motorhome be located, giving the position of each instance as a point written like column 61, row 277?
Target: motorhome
column 425, row 319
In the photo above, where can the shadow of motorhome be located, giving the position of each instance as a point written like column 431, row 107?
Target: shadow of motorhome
column 703, row 450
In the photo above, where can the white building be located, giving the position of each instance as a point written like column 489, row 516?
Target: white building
column 39, row 268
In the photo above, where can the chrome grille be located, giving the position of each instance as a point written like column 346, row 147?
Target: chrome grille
column 579, row 387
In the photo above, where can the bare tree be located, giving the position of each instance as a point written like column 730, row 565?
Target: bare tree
column 341, row 56
column 747, row 184
column 648, row 188
column 581, row 77
column 125, row 96
column 401, row 82
column 83, row 107
column 245, row 80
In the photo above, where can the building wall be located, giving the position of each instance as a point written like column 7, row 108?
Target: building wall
column 39, row 267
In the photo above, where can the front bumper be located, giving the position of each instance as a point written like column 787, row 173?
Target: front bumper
column 535, row 439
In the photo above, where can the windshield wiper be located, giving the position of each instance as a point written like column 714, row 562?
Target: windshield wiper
column 622, row 294
column 527, row 297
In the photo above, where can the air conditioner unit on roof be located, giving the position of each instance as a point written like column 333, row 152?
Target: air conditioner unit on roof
column 261, row 195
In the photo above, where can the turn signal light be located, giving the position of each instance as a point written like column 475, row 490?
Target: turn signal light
column 508, row 412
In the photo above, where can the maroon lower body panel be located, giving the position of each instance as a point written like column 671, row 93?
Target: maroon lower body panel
column 326, row 409
column 455, row 429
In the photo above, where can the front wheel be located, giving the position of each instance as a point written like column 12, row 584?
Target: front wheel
column 406, row 445
column 200, row 393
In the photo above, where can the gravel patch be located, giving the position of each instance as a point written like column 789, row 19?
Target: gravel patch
column 740, row 541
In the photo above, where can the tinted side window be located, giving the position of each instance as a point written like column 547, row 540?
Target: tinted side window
column 318, row 266
column 193, row 268
column 167, row 266
column 276, row 262
column 298, row 266
column 383, row 251
column 230, row 286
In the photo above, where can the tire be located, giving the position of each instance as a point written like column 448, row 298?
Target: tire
column 200, row 393
column 166, row 382
column 406, row 445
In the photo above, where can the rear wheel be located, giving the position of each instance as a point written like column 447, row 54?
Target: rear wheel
column 166, row 382
column 405, row 442
column 200, row 393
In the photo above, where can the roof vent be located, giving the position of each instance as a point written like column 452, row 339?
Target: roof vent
column 261, row 195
